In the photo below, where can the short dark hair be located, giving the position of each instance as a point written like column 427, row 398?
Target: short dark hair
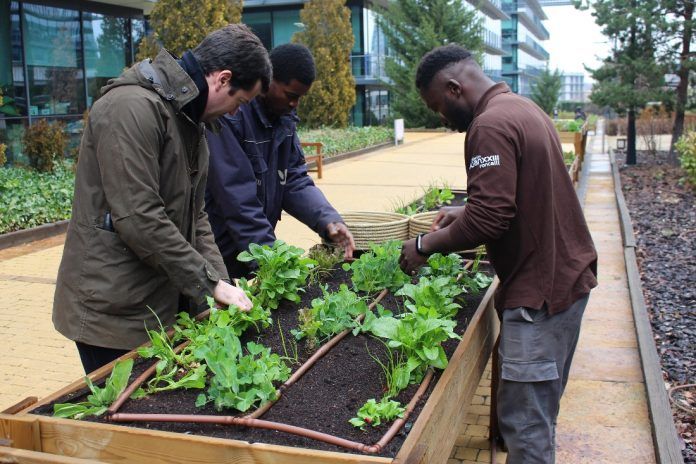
column 236, row 48
column 436, row 60
column 293, row 61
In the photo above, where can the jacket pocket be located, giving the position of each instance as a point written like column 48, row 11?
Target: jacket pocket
column 528, row 371
column 115, row 280
column 260, row 168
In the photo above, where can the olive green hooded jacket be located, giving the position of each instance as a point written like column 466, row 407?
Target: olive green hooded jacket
column 144, row 161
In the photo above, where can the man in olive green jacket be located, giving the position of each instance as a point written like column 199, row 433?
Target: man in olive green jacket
column 139, row 241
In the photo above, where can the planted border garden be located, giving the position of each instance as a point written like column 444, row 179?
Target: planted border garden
column 31, row 197
column 661, row 198
column 397, row 331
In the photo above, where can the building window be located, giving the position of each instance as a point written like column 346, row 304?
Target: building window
column 285, row 24
column 106, row 44
column 262, row 25
column 12, row 82
column 53, row 60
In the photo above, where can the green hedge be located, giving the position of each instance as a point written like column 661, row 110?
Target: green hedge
column 29, row 198
column 338, row 141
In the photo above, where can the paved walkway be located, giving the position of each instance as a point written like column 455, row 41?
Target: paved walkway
column 604, row 416
column 603, row 413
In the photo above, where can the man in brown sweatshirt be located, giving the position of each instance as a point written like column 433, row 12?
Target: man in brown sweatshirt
column 523, row 207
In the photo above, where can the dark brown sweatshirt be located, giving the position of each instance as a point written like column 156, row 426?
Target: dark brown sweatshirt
column 523, row 207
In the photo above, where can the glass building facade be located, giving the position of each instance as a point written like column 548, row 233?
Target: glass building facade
column 54, row 59
column 526, row 58
column 276, row 21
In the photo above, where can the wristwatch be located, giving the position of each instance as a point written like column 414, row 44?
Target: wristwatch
column 419, row 245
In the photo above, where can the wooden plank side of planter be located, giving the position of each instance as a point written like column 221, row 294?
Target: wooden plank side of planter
column 440, row 421
column 430, row 440
column 80, row 383
column 20, row 432
column 115, row 443
column 36, row 457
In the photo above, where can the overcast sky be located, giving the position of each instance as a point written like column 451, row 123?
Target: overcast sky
column 574, row 40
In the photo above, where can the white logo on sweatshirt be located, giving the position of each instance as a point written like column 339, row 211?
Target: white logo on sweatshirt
column 484, row 161
column 283, row 176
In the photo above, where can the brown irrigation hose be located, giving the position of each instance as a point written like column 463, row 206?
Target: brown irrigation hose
column 670, row 393
column 291, row 429
column 116, row 405
column 311, row 361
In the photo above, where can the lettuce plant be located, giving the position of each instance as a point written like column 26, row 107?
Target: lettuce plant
column 101, row 398
column 330, row 315
column 281, row 274
column 378, row 269
column 374, row 413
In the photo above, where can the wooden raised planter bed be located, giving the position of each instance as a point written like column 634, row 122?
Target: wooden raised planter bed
column 578, row 139
column 30, row 437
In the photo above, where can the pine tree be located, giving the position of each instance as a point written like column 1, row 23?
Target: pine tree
column 681, row 27
column 329, row 36
column 180, row 25
column 413, row 28
column 632, row 75
column 547, row 89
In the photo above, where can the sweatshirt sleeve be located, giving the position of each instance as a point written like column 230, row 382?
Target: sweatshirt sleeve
column 491, row 189
column 302, row 199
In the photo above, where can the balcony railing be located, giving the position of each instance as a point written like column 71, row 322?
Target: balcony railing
column 531, row 46
column 368, row 66
column 533, row 23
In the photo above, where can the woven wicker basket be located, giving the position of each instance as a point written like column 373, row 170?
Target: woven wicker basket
column 420, row 223
column 370, row 227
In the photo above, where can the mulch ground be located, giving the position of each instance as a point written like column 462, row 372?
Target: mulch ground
column 663, row 212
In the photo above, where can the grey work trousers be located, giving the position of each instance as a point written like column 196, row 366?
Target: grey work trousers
column 535, row 351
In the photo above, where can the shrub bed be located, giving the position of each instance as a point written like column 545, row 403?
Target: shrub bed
column 29, row 198
column 337, row 141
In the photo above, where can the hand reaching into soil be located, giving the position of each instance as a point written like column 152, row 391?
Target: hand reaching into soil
column 410, row 260
column 446, row 216
column 227, row 294
column 341, row 236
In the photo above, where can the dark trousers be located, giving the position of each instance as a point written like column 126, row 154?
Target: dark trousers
column 94, row 357
column 536, row 350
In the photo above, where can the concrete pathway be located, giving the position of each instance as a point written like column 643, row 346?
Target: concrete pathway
column 604, row 416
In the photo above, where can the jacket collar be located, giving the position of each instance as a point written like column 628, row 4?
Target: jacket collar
column 287, row 120
column 497, row 89
column 169, row 79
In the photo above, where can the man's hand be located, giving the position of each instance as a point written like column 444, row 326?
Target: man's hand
column 227, row 294
column 341, row 236
column 410, row 260
column 446, row 216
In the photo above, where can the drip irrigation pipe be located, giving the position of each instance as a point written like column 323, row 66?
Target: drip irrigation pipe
column 311, row 361
column 280, row 427
column 116, row 405
column 670, row 393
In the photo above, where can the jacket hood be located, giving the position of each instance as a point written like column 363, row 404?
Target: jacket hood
column 162, row 75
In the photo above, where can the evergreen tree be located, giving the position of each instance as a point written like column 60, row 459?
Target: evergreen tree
column 329, row 36
column 180, row 25
column 413, row 28
column 547, row 89
column 632, row 75
column 680, row 27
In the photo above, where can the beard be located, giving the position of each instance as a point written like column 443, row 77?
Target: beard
column 458, row 118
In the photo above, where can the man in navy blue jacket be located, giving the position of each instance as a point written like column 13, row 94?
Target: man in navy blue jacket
column 257, row 168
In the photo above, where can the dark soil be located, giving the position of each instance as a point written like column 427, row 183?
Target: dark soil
column 324, row 399
column 664, row 223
